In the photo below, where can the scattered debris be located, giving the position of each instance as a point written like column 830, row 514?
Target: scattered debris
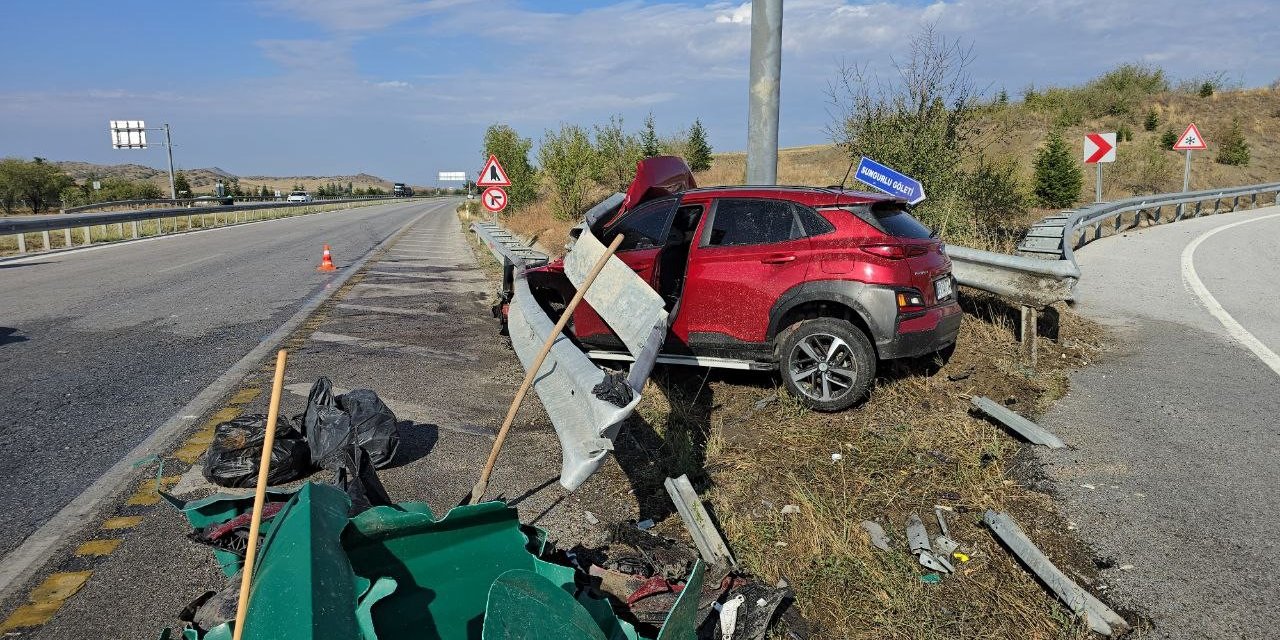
column 765, row 401
column 591, row 517
column 1099, row 616
column 236, row 452
column 931, row 578
column 729, row 616
column 645, row 525
column 1027, row 429
column 944, row 544
column 789, row 509
column 877, row 535
column 711, row 545
column 918, row 541
column 837, row 457
column 1126, row 567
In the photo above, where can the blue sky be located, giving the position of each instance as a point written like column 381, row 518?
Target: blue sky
column 404, row 88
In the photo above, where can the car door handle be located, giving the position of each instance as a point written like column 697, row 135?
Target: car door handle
column 778, row 258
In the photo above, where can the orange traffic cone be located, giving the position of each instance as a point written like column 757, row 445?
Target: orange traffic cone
column 326, row 263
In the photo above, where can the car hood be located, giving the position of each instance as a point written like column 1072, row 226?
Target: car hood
column 656, row 177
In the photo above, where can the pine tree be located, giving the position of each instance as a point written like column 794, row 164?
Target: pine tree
column 1235, row 149
column 1206, row 89
column 699, row 150
column 650, row 146
column 1058, row 177
column 1168, row 138
column 1152, row 121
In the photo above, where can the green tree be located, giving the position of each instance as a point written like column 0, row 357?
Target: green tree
column 616, row 155
column 996, row 192
column 512, row 151
column 1124, row 134
column 181, row 185
column 1152, row 121
column 1206, row 89
column 567, row 162
column 699, row 149
column 650, row 146
column 1234, row 149
column 35, row 184
column 1058, row 177
column 1168, row 138
column 1002, row 98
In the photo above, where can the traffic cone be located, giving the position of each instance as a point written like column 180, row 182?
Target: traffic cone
column 326, row 262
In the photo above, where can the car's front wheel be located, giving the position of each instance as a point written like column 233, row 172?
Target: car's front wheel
column 826, row 362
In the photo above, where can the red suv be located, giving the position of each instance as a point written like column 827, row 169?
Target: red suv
column 818, row 283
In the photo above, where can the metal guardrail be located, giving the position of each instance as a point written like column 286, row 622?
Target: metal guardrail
column 201, row 201
column 1031, row 282
column 586, row 404
column 231, row 214
column 1060, row 235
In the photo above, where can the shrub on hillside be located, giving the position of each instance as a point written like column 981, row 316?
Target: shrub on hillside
column 1168, row 138
column 567, row 162
column 698, row 148
column 1146, row 168
column 1206, row 89
column 1234, row 149
column 1152, row 120
column 617, row 153
column 33, row 183
column 649, row 144
column 1124, row 133
column 1058, row 178
column 996, row 193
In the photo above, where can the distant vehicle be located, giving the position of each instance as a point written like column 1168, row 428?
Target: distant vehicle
column 818, row 283
column 402, row 190
column 299, row 196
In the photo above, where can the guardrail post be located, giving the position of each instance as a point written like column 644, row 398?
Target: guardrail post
column 88, row 236
column 189, row 225
column 66, row 235
column 159, row 226
column 1217, row 205
column 45, row 235
column 121, row 226
column 1029, row 318
column 22, row 242
column 135, row 229
column 1235, row 203
column 1197, row 213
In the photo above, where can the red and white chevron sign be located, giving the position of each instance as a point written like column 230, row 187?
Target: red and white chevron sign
column 1099, row 147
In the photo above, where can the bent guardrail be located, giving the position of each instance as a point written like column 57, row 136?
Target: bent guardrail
column 1060, row 235
column 1031, row 282
column 230, row 214
column 586, row 403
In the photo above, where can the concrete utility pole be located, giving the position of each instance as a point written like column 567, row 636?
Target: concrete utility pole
column 766, row 79
column 168, row 145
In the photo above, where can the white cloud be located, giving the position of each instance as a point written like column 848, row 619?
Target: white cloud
column 394, row 84
column 328, row 55
column 359, row 15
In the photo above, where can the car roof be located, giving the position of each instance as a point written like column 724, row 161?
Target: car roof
column 811, row 196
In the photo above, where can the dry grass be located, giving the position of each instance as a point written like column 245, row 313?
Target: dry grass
column 911, row 446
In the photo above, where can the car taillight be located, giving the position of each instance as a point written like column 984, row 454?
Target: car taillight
column 895, row 251
column 910, row 302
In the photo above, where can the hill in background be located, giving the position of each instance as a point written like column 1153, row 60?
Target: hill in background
column 203, row 180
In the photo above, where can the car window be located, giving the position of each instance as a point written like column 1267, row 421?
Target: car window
column 813, row 223
column 644, row 227
column 895, row 221
column 742, row 221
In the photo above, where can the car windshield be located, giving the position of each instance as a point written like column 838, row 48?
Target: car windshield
column 298, row 193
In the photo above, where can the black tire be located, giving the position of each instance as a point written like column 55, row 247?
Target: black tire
column 842, row 372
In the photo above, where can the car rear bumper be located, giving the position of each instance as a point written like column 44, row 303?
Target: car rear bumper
column 930, row 331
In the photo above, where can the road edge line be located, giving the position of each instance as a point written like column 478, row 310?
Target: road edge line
column 1236, row 330
column 27, row 558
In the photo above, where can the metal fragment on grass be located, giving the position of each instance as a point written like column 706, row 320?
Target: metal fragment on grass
column 877, row 535
column 1099, row 616
column 1029, row 430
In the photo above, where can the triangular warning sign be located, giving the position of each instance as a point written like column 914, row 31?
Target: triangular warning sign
column 1191, row 140
column 493, row 175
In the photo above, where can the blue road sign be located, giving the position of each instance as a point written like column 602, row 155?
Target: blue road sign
column 890, row 181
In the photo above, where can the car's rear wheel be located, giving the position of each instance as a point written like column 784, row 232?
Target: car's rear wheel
column 827, row 363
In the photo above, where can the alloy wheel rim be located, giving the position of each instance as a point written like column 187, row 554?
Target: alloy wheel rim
column 822, row 367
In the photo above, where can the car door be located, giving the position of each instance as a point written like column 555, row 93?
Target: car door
column 644, row 231
column 750, row 251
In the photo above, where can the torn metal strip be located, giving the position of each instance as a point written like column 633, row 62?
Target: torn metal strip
column 585, row 424
column 1099, row 616
column 1029, row 430
column 623, row 299
column 711, row 545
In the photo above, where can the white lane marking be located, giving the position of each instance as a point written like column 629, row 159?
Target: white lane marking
column 1237, row 330
column 399, row 310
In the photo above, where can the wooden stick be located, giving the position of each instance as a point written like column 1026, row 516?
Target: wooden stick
column 260, row 496
column 478, row 491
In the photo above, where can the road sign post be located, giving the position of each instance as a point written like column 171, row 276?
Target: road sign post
column 1191, row 140
column 494, row 199
column 1099, row 148
column 890, row 181
column 132, row 134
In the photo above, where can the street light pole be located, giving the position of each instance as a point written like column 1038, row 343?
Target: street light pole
column 765, row 85
column 168, row 145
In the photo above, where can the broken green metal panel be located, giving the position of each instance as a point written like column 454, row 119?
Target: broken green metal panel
column 364, row 610
column 682, row 620
column 217, row 509
column 523, row 605
column 606, row 619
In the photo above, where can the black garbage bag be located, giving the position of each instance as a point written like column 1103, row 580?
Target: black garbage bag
column 375, row 426
column 361, row 483
column 236, row 453
column 332, row 424
column 326, row 427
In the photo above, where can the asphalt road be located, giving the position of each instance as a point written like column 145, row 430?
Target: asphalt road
column 99, row 347
column 1177, row 445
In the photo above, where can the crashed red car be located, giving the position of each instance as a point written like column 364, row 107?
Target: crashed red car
column 817, row 283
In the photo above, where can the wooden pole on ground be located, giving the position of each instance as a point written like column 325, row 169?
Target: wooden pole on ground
column 260, row 496
column 478, row 491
